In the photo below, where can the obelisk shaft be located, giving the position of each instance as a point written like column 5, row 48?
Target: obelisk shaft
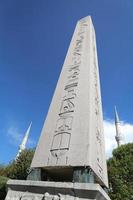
column 73, row 131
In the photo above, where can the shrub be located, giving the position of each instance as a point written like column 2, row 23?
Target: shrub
column 3, row 181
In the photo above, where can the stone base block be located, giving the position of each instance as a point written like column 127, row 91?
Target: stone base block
column 42, row 190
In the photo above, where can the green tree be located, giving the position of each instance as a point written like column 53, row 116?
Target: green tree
column 120, row 171
column 19, row 168
column 2, row 170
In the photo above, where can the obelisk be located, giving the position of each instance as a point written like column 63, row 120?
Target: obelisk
column 72, row 135
column 70, row 158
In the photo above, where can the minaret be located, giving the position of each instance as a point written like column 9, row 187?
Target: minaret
column 118, row 136
column 24, row 141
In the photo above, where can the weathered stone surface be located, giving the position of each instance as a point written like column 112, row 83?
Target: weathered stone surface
column 73, row 131
column 17, row 195
column 39, row 190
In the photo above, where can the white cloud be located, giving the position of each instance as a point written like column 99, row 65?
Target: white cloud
column 109, row 133
column 15, row 137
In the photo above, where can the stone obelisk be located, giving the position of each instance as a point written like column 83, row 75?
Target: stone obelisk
column 73, row 131
column 70, row 153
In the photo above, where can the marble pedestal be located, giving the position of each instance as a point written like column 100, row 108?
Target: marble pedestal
column 40, row 190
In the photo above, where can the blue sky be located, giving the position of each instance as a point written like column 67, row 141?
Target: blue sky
column 34, row 37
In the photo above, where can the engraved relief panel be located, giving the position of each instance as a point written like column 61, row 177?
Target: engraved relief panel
column 75, row 67
column 71, row 85
column 100, row 171
column 65, row 140
column 69, row 93
column 76, row 58
column 67, row 106
column 64, row 124
column 56, row 142
column 99, row 153
column 98, row 136
column 73, row 76
column 60, row 144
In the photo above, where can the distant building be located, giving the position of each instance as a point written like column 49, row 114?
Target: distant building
column 24, row 141
column 118, row 136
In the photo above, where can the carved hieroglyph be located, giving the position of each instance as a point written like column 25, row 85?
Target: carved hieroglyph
column 73, row 131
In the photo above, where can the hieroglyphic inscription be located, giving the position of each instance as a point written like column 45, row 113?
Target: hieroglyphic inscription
column 64, row 124
column 97, row 113
column 61, row 139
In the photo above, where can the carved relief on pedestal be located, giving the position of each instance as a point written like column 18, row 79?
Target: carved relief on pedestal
column 48, row 196
column 15, row 195
column 28, row 196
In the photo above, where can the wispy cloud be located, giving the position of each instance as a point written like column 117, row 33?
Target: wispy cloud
column 15, row 136
column 109, row 133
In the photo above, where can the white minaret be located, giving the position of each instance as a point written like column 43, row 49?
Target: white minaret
column 24, row 141
column 118, row 136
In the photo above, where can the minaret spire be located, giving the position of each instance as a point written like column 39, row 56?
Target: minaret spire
column 118, row 136
column 24, row 141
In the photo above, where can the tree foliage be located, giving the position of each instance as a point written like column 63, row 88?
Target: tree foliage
column 120, row 171
column 3, row 181
column 18, row 169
